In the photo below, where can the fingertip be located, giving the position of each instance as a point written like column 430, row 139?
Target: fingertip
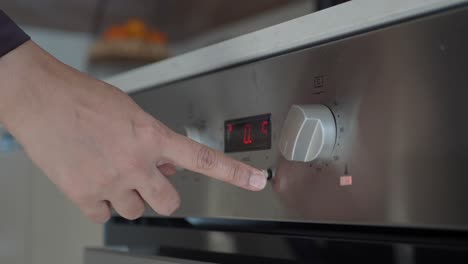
column 170, row 208
column 258, row 180
column 100, row 214
column 101, row 219
column 128, row 204
column 137, row 213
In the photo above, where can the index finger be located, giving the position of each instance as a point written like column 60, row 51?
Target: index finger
column 196, row 157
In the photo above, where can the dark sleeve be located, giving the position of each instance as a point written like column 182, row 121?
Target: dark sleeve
column 11, row 36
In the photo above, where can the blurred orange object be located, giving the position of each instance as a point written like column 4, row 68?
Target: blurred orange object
column 133, row 40
column 157, row 37
column 136, row 28
column 115, row 32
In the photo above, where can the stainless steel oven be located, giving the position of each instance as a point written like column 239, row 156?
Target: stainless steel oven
column 365, row 139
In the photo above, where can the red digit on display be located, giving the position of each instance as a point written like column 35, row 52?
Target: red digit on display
column 230, row 128
column 247, row 134
column 264, row 127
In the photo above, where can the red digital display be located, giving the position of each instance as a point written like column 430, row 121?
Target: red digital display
column 247, row 134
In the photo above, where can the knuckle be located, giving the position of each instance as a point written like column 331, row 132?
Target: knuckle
column 105, row 181
column 161, row 130
column 148, row 133
column 78, row 195
column 132, row 169
column 206, row 158
column 131, row 165
column 73, row 187
column 153, row 132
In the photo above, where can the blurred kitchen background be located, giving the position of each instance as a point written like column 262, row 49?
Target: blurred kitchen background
column 69, row 28
column 105, row 37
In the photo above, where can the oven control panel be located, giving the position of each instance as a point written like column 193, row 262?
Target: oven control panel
column 364, row 130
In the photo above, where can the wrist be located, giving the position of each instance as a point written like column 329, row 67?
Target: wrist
column 30, row 85
column 18, row 70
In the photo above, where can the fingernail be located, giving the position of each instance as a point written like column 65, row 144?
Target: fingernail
column 258, row 180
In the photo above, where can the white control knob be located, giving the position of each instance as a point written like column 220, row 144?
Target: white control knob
column 308, row 133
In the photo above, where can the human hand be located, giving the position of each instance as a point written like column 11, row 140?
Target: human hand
column 96, row 144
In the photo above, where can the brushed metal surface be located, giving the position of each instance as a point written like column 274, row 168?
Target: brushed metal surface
column 399, row 98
